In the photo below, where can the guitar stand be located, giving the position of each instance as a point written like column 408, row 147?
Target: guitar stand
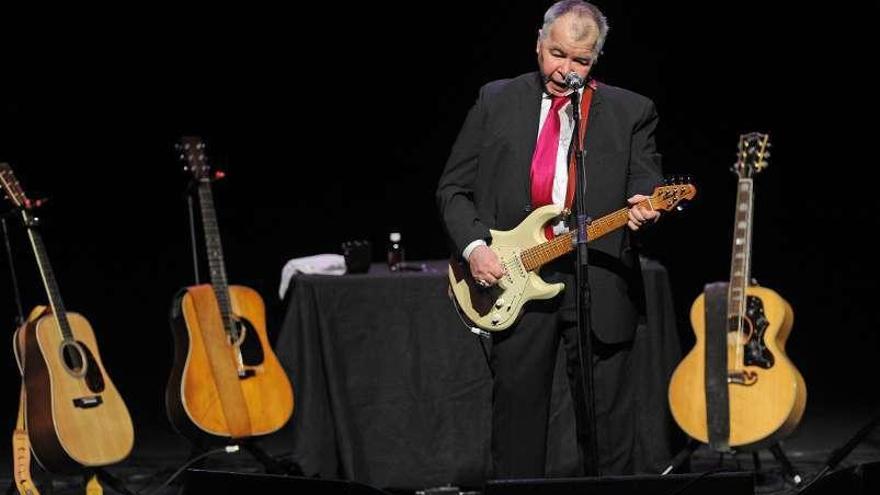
column 272, row 464
column 788, row 470
column 840, row 453
column 111, row 481
column 103, row 476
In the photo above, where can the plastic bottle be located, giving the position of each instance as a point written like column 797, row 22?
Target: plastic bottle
column 395, row 252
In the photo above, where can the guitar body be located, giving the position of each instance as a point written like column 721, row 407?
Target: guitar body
column 762, row 411
column 497, row 308
column 219, row 389
column 75, row 415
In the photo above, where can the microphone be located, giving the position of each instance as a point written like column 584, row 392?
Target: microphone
column 574, row 81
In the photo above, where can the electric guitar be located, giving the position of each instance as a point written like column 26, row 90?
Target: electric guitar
column 524, row 250
column 226, row 381
column 766, row 393
column 75, row 416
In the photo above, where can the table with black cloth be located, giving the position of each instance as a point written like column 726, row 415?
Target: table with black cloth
column 394, row 391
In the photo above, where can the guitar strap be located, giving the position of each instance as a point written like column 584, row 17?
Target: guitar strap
column 586, row 100
column 717, row 399
column 232, row 401
column 21, row 447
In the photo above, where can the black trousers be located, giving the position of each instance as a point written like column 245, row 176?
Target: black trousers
column 523, row 360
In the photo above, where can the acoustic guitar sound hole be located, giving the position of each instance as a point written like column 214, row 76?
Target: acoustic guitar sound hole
column 250, row 347
column 73, row 358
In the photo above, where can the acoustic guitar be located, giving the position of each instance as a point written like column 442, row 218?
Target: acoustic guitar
column 226, row 382
column 74, row 414
column 525, row 249
column 766, row 393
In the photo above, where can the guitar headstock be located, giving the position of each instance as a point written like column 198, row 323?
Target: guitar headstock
column 669, row 196
column 14, row 193
column 752, row 153
column 192, row 153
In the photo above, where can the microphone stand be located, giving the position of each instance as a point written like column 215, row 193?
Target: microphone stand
column 584, row 329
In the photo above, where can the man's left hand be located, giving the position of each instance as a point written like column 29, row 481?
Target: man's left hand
column 640, row 215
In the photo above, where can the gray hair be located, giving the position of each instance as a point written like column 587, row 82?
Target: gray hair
column 580, row 9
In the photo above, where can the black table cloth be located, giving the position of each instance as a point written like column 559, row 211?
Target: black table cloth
column 392, row 390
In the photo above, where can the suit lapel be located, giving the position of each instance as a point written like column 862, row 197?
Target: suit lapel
column 526, row 132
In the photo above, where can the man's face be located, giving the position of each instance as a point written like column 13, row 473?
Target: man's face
column 568, row 47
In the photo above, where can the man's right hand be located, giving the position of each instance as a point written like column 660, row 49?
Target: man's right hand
column 485, row 266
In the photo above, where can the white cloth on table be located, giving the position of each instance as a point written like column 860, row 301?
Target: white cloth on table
column 319, row 264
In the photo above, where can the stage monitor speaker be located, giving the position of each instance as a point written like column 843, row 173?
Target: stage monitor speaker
column 869, row 473
column 854, row 480
column 200, row 481
column 739, row 483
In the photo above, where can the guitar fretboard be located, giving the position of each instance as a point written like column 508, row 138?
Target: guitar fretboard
column 48, row 276
column 740, row 263
column 214, row 250
column 537, row 256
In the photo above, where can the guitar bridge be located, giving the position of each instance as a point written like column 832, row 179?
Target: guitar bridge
column 88, row 402
column 744, row 377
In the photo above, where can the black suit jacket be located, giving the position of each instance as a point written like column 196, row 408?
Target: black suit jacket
column 486, row 182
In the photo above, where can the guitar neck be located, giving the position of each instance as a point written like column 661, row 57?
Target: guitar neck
column 48, row 277
column 214, row 250
column 740, row 262
column 537, row 256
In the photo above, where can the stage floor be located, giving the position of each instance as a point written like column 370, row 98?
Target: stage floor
column 825, row 428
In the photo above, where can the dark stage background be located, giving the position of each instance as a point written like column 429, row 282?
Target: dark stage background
column 333, row 123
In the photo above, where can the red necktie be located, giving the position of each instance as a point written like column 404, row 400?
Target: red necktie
column 544, row 160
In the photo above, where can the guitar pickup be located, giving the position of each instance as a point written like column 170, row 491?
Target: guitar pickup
column 245, row 374
column 88, row 402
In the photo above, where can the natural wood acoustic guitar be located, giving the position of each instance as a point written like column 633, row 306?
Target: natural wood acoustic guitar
column 766, row 393
column 226, row 382
column 75, row 416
